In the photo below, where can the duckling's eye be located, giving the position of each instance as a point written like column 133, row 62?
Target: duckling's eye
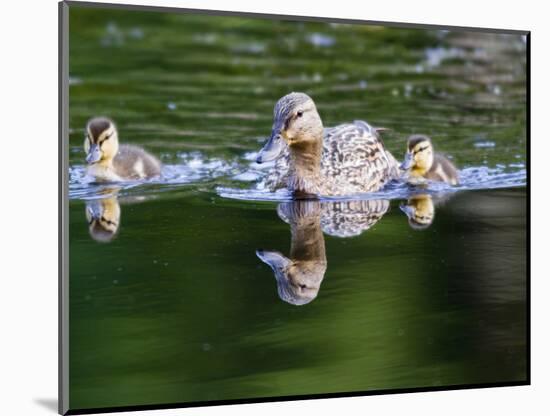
column 106, row 138
column 299, row 114
column 421, row 149
column 108, row 222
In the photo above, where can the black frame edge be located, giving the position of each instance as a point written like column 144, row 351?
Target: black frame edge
column 339, row 395
column 63, row 258
column 528, row 220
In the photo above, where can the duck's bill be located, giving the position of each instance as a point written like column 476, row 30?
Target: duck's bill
column 94, row 154
column 273, row 259
column 272, row 149
column 408, row 162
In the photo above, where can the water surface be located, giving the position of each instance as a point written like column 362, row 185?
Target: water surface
column 176, row 304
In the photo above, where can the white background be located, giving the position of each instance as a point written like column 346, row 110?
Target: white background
column 28, row 205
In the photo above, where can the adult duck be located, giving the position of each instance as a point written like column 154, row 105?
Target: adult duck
column 315, row 161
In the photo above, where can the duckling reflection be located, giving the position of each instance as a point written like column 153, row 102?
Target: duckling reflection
column 103, row 216
column 299, row 275
column 420, row 210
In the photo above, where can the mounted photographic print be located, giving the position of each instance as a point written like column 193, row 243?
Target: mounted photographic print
column 263, row 208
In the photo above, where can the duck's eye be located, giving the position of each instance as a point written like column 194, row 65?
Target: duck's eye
column 299, row 114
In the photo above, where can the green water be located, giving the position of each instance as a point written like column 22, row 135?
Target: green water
column 177, row 307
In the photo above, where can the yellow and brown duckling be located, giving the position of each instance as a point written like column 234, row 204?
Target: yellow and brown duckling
column 110, row 162
column 312, row 160
column 422, row 163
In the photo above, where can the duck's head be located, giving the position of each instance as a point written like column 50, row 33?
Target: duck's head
column 420, row 154
column 420, row 211
column 298, row 282
column 103, row 217
column 296, row 122
column 101, row 142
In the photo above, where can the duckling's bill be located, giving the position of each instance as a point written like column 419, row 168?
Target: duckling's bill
column 94, row 154
column 408, row 210
column 408, row 162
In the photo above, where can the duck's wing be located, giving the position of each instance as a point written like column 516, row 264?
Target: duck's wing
column 351, row 218
column 355, row 155
column 299, row 211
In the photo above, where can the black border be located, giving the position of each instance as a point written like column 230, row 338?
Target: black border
column 63, row 213
column 63, row 230
column 268, row 399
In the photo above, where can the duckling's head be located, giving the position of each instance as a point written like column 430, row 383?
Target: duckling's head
column 420, row 154
column 103, row 217
column 101, row 142
column 296, row 122
column 298, row 282
column 420, row 211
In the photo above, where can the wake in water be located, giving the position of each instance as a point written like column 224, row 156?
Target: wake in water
column 194, row 168
column 471, row 178
column 242, row 179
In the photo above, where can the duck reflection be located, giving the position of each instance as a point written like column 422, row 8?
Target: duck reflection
column 299, row 275
column 103, row 216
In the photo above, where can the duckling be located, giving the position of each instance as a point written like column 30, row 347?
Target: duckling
column 103, row 216
column 421, row 162
column 420, row 210
column 110, row 162
column 313, row 161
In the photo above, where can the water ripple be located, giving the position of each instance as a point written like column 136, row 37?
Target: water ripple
column 241, row 178
column 471, row 178
column 194, row 168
